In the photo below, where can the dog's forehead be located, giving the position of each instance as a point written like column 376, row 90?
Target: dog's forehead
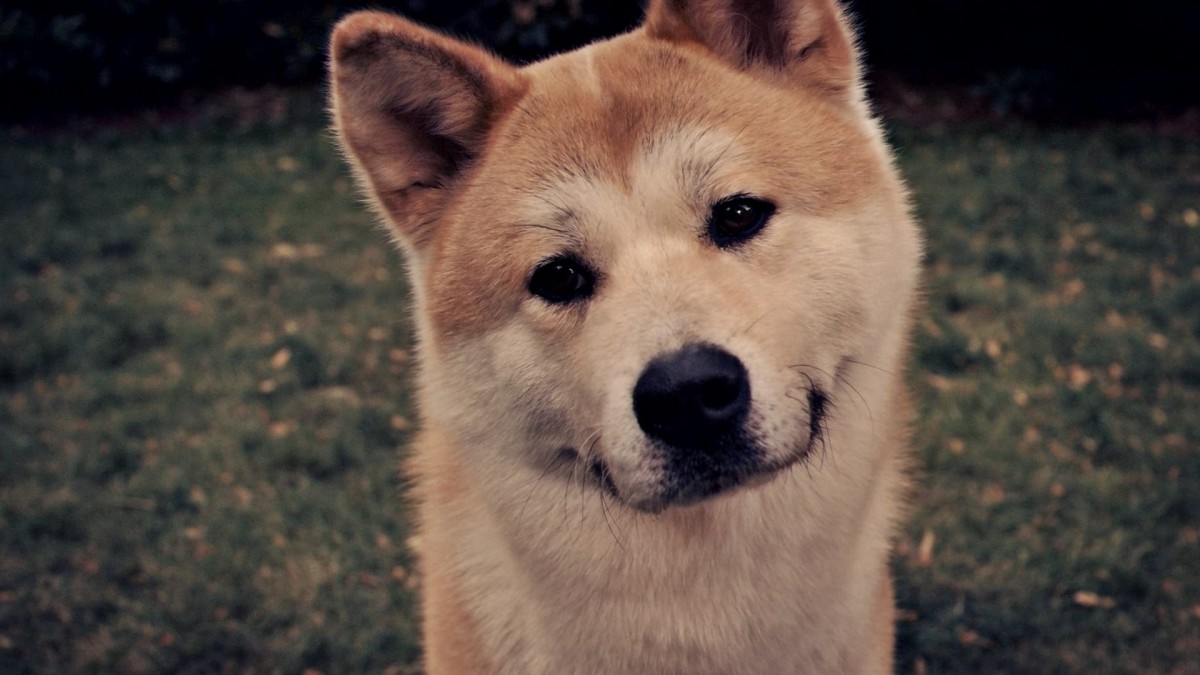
column 608, row 112
column 590, row 112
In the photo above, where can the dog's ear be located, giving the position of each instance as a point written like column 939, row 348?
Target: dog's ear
column 809, row 41
column 412, row 109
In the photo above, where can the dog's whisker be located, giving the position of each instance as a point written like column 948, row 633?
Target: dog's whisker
column 571, row 480
column 609, row 523
column 581, row 476
column 885, row 371
column 592, row 465
column 562, row 457
column 823, row 450
column 807, row 463
column 750, row 326
column 540, row 226
column 840, row 377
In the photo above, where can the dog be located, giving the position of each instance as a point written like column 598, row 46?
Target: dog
column 663, row 288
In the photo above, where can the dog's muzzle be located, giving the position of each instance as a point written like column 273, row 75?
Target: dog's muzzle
column 693, row 405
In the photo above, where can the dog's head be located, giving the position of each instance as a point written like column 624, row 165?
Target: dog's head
column 650, row 259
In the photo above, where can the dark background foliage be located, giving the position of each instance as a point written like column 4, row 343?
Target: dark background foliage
column 64, row 57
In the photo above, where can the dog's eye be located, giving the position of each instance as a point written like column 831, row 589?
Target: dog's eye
column 561, row 280
column 737, row 219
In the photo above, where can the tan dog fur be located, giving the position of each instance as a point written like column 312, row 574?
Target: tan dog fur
column 616, row 152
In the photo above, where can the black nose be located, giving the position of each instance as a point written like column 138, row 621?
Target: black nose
column 694, row 397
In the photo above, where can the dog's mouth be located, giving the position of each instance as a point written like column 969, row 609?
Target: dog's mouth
column 693, row 475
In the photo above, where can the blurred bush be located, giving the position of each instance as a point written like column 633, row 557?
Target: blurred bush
column 59, row 57
column 1060, row 60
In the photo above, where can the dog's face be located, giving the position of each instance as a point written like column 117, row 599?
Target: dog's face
column 646, row 262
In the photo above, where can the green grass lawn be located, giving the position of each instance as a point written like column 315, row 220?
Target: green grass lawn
column 204, row 395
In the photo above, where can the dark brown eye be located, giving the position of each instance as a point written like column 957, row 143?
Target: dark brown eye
column 737, row 219
column 561, row 280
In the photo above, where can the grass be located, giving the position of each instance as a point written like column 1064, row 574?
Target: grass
column 204, row 394
column 1059, row 372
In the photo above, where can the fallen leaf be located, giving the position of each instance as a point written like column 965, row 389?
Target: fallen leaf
column 1078, row 376
column 993, row 349
column 969, row 637
column 281, row 429
column 1093, row 601
column 197, row 496
column 243, row 495
column 993, row 494
column 938, row 382
column 234, row 265
column 285, row 251
column 1060, row 451
column 281, row 358
column 925, row 549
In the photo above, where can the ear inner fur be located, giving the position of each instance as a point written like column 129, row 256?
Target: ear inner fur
column 808, row 41
column 413, row 109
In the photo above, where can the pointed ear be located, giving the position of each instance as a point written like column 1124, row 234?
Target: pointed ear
column 412, row 109
column 809, row 41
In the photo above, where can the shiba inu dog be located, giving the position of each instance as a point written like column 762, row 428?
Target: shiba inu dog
column 663, row 286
